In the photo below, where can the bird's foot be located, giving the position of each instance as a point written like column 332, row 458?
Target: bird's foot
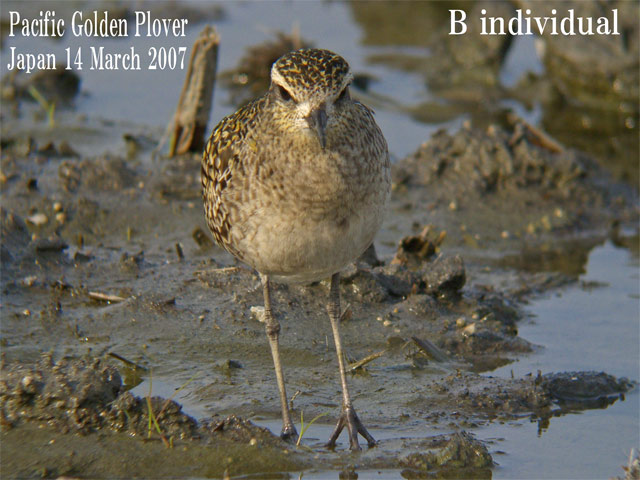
column 289, row 433
column 350, row 419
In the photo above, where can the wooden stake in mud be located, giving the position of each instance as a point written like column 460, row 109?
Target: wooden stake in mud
column 194, row 106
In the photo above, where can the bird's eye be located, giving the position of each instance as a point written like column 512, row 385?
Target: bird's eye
column 284, row 94
column 343, row 94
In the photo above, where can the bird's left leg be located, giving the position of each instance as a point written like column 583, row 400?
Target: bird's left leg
column 348, row 415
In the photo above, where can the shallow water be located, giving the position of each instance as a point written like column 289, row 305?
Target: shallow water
column 590, row 326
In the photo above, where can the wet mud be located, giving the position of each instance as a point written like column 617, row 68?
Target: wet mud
column 109, row 278
column 81, row 406
column 125, row 270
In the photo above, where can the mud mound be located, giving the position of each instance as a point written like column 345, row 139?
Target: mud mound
column 87, row 395
column 492, row 161
column 514, row 187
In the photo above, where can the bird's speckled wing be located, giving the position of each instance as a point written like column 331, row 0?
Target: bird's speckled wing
column 224, row 156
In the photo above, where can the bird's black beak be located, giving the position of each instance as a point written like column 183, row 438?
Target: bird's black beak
column 317, row 121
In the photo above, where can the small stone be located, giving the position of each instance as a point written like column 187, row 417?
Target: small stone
column 29, row 281
column 469, row 329
column 445, row 275
column 38, row 219
column 257, row 313
column 26, row 381
column 229, row 364
column 65, row 150
column 48, row 149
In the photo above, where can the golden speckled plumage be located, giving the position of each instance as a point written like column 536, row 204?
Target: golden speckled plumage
column 295, row 185
column 279, row 201
column 221, row 160
column 313, row 69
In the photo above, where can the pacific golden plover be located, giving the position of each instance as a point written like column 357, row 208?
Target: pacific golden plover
column 295, row 185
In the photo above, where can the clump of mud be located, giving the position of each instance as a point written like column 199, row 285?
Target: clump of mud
column 584, row 389
column 471, row 61
column 540, row 396
column 496, row 185
column 57, row 85
column 86, row 395
column 56, row 403
column 460, row 455
column 15, row 237
column 68, row 395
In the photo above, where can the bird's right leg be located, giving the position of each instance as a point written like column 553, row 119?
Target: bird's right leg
column 273, row 332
